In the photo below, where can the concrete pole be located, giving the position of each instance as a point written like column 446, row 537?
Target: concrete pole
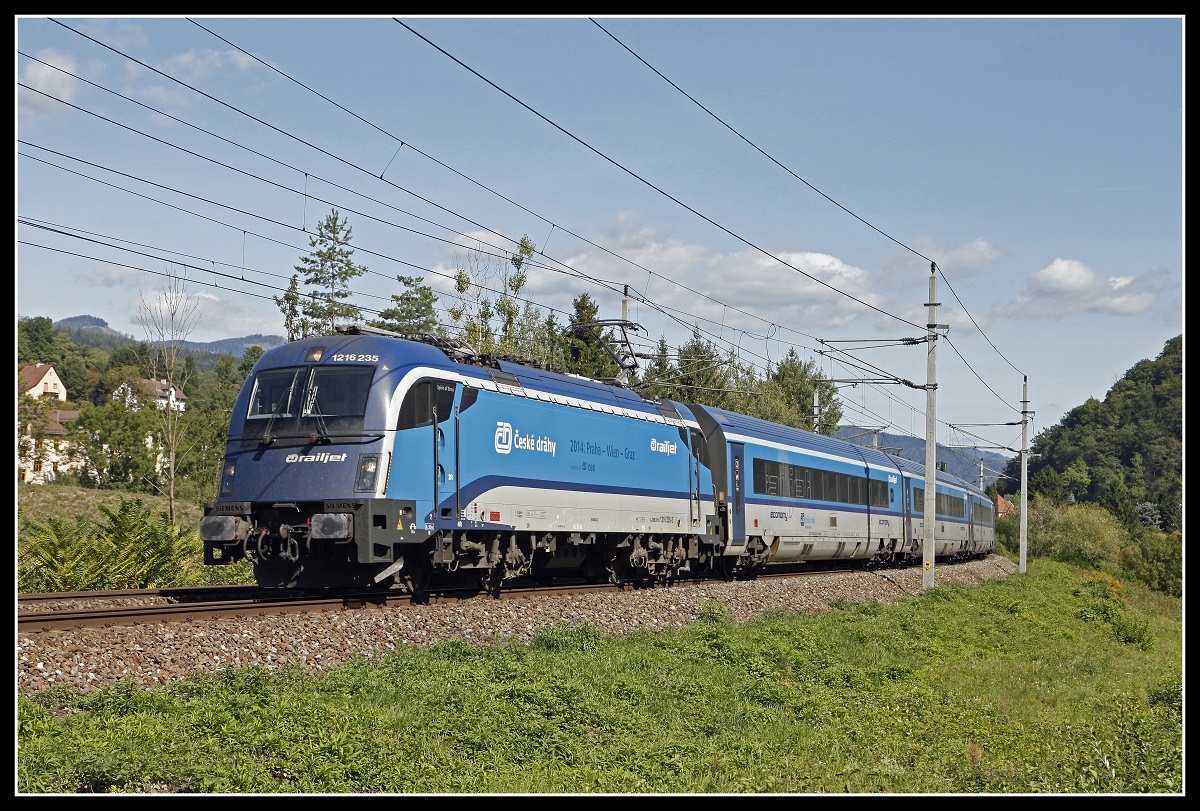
column 1024, row 471
column 929, row 520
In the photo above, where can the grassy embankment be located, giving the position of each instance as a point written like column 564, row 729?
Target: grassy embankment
column 1057, row 681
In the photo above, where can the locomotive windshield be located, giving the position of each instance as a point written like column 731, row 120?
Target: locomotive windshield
column 305, row 400
column 273, row 394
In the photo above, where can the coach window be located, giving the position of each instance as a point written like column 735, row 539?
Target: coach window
column 417, row 408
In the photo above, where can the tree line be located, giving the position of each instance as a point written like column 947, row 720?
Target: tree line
column 1105, row 484
column 486, row 314
column 1124, row 453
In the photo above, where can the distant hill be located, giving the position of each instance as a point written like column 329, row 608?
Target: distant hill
column 90, row 330
column 963, row 463
column 238, row 346
column 1124, row 452
column 95, row 328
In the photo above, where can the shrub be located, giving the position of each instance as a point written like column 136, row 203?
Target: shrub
column 1104, row 586
column 714, row 612
column 1008, row 533
column 1080, row 534
column 1105, row 597
column 1156, row 559
column 135, row 549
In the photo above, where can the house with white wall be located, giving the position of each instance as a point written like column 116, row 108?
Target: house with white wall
column 43, row 452
column 161, row 393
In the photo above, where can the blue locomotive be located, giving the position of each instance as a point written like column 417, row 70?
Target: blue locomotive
column 366, row 458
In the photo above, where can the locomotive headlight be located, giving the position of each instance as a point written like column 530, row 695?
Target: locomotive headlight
column 227, row 476
column 368, row 472
column 332, row 526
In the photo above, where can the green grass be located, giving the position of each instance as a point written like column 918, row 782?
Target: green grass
column 1050, row 682
column 42, row 501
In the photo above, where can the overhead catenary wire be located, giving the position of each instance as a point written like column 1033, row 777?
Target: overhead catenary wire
column 661, row 191
column 277, row 129
column 719, row 339
column 822, row 194
column 673, row 198
column 553, row 225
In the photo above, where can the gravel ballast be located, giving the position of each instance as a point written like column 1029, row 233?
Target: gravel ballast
column 154, row 655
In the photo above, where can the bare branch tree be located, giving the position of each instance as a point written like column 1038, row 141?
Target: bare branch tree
column 168, row 319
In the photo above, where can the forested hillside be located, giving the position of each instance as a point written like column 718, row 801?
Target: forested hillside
column 90, row 331
column 1124, row 453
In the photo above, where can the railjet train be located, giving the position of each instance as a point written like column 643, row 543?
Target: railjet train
column 366, row 459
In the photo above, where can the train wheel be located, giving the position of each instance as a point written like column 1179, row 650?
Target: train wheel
column 417, row 573
column 618, row 570
column 491, row 581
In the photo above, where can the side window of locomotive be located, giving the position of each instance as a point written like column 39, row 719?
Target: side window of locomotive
column 469, row 397
column 421, row 401
column 699, row 447
column 443, row 400
column 417, row 408
column 338, row 391
column 274, row 394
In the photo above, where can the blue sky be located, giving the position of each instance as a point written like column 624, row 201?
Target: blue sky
column 774, row 182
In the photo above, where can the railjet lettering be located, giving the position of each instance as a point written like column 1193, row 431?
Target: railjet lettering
column 508, row 437
column 662, row 447
column 316, row 457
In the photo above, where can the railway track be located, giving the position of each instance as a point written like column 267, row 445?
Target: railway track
column 96, row 609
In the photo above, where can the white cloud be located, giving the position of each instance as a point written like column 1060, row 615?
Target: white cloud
column 955, row 261
column 117, row 276
column 120, row 34
column 1069, row 286
column 205, row 62
column 54, row 83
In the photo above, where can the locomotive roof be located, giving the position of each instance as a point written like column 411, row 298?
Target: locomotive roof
column 508, row 376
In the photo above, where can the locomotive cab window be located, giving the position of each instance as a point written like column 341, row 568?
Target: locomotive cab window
column 300, row 400
column 338, row 391
column 274, row 394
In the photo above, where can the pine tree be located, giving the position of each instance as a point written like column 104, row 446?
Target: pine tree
column 412, row 311
column 325, row 274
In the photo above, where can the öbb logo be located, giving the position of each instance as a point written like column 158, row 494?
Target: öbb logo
column 504, row 435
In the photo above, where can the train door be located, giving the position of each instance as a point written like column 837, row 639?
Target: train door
column 694, row 481
column 971, row 523
column 422, row 449
column 445, row 450
column 737, row 501
column 910, row 524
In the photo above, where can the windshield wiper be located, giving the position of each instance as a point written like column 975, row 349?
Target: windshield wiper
column 280, row 404
column 322, row 432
